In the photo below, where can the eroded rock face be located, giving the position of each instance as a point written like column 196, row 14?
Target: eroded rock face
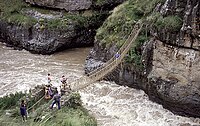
column 174, row 78
column 51, row 29
column 188, row 35
column 45, row 41
column 68, row 5
column 170, row 73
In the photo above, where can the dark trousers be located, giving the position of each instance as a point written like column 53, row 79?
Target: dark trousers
column 54, row 102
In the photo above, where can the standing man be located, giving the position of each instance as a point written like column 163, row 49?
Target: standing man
column 23, row 111
column 56, row 100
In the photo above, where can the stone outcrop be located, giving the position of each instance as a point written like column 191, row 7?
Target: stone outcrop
column 68, row 5
column 51, row 30
column 75, row 5
column 45, row 41
column 188, row 35
column 170, row 73
column 174, row 78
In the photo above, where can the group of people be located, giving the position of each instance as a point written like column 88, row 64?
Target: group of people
column 64, row 87
column 63, row 81
column 49, row 94
column 56, row 96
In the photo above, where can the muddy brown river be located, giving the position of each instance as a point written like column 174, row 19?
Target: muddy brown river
column 111, row 104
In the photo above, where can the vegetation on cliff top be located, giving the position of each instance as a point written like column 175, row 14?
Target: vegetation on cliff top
column 170, row 23
column 102, row 2
column 72, row 114
column 14, row 11
column 10, row 10
column 118, row 26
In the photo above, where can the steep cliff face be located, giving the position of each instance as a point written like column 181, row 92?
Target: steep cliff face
column 166, row 66
column 174, row 78
column 45, row 41
column 46, row 31
column 188, row 34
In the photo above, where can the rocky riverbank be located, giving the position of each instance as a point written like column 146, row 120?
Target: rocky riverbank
column 164, row 60
column 41, row 28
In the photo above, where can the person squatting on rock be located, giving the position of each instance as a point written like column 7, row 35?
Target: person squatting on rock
column 56, row 99
column 64, row 87
column 23, row 111
column 64, row 82
column 48, row 92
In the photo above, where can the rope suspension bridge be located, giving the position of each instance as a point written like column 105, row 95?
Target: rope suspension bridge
column 100, row 72
column 110, row 65
column 106, row 68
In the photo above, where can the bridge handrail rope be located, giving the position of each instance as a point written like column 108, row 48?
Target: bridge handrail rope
column 122, row 53
column 36, row 103
column 109, row 65
column 130, row 37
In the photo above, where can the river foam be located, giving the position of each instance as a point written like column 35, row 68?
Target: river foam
column 111, row 104
column 115, row 105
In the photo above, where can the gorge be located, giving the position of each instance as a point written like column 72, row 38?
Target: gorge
column 164, row 60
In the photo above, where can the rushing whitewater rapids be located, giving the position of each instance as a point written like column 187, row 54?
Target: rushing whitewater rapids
column 112, row 105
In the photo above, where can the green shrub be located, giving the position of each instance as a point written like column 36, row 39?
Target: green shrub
column 70, row 117
column 11, row 11
column 171, row 23
column 20, row 19
column 100, row 2
column 152, row 18
column 146, row 6
column 10, row 100
column 12, row 6
column 74, row 100
column 134, row 54
column 118, row 26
